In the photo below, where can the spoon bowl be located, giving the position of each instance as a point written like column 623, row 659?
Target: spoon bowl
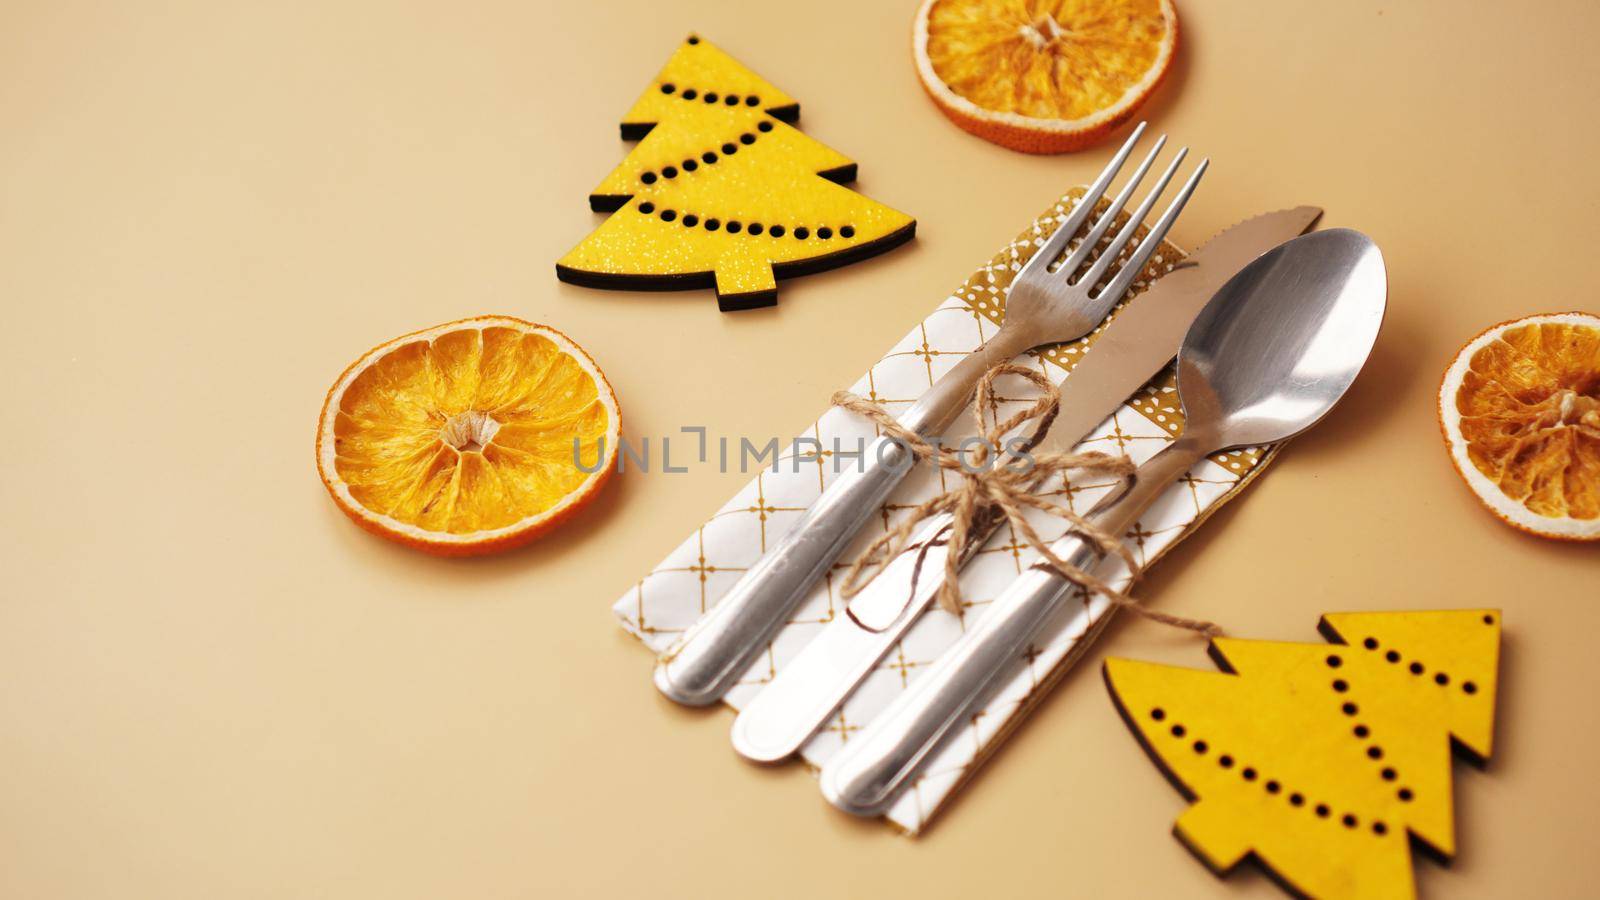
column 1257, row 369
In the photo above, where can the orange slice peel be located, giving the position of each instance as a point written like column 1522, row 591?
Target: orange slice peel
column 1520, row 412
column 469, row 437
column 1043, row 76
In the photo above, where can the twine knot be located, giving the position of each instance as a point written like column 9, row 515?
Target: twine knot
column 994, row 487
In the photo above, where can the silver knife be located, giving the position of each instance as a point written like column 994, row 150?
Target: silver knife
column 1134, row 346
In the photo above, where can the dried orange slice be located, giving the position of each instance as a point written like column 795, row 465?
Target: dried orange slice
column 471, row 437
column 1043, row 76
column 1520, row 410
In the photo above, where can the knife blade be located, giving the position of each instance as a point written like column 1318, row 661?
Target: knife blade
column 1135, row 344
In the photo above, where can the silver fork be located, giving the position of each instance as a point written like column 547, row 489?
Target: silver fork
column 1045, row 306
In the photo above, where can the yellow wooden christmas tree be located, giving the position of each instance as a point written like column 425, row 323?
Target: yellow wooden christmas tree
column 722, row 192
column 1321, row 759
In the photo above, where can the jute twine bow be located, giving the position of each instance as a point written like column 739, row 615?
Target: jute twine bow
column 993, row 488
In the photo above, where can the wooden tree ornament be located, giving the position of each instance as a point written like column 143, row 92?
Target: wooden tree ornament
column 1319, row 760
column 722, row 192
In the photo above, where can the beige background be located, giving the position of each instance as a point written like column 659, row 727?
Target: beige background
column 212, row 685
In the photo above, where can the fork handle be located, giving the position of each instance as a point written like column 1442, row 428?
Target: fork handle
column 720, row 647
column 867, row 775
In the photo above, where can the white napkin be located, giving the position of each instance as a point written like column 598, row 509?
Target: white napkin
column 692, row 578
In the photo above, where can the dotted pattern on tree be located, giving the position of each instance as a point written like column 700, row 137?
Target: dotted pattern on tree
column 1319, row 760
column 723, row 192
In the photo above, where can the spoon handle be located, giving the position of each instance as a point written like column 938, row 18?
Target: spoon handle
column 868, row 773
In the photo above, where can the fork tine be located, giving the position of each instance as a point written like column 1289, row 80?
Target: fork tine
column 1080, row 213
column 1119, row 285
column 1114, row 249
column 1092, row 239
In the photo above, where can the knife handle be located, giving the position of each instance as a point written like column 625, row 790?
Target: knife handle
column 869, row 772
column 721, row 646
column 807, row 690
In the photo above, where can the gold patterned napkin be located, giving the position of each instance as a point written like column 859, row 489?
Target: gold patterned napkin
column 671, row 596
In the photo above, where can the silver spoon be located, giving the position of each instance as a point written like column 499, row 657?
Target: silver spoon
column 1269, row 355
